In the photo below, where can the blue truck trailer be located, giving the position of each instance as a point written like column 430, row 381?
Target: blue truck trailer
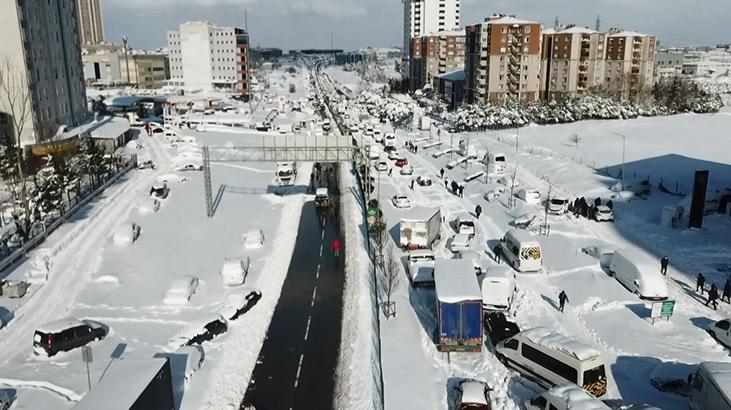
column 459, row 306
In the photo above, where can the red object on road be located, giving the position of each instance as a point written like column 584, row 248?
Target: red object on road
column 401, row 162
column 335, row 245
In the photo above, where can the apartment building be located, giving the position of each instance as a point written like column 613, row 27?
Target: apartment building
column 40, row 40
column 426, row 17
column 630, row 65
column 572, row 62
column 668, row 64
column 502, row 60
column 207, row 57
column 91, row 26
column 434, row 55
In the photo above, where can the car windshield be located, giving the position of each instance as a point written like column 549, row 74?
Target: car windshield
column 604, row 211
column 474, row 406
column 594, row 375
column 558, row 201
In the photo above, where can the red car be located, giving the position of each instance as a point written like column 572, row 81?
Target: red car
column 473, row 395
column 401, row 162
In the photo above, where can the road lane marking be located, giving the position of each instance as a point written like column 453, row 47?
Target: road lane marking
column 320, row 249
column 314, row 294
column 322, row 236
column 317, row 276
column 299, row 369
column 307, row 331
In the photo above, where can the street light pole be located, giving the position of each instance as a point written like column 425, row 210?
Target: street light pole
column 126, row 56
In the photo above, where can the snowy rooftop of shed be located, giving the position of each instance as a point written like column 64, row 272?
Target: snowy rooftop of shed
column 721, row 375
column 419, row 213
column 455, row 281
column 577, row 398
column 112, row 128
column 121, row 385
column 552, row 340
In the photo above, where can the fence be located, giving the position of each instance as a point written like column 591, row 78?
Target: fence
column 36, row 240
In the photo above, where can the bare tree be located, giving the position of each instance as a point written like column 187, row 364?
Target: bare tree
column 16, row 100
column 390, row 276
column 576, row 139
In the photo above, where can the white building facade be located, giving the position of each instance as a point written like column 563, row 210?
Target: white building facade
column 427, row 17
column 207, row 57
column 40, row 40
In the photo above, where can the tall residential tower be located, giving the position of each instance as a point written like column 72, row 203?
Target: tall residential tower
column 426, row 17
column 91, row 27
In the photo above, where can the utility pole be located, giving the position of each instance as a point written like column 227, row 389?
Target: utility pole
column 126, row 56
column 624, row 151
column 517, row 135
column 512, row 187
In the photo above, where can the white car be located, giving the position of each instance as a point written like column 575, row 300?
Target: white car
column 254, row 239
column 181, row 290
column 381, row 165
column 423, row 181
column 189, row 166
column 530, row 196
column 421, row 267
column 603, row 213
column 558, row 206
column 374, row 153
column 401, row 201
column 604, row 255
column 378, row 136
column 234, row 271
column 394, row 155
column 406, row 170
column 126, row 234
column 566, row 397
column 460, row 242
column 473, row 395
column 721, row 331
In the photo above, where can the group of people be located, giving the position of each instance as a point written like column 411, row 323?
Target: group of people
column 323, row 176
column 712, row 299
column 455, row 187
column 580, row 207
column 413, row 148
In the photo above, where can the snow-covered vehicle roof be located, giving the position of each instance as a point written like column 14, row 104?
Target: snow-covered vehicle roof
column 59, row 325
column 522, row 236
column 473, row 392
column 576, row 398
column 556, row 341
column 720, row 373
column 499, row 272
column 321, row 192
column 420, row 214
column 122, row 385
column 455, row 281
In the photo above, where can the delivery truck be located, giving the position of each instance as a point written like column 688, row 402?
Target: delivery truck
column 459, row 306
column 420, row 228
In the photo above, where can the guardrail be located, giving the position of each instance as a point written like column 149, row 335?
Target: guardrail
column 32, row 243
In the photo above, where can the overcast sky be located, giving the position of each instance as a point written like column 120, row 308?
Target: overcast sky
column 291, row 24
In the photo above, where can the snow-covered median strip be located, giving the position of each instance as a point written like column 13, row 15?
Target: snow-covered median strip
column 67, row 394
column 357, row 387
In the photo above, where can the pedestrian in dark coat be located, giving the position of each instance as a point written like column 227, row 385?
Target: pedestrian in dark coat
column 441, row 173
column 454, row 188
column 390, row 170
column 446, row 185
column 416, row 148
column 700, row 283
column 461, row 191
column 713, row 296
column 478, row 211
column 664, row 265
column 562, row 299
column 412, row 184
column 727, row 291
column 498, row 252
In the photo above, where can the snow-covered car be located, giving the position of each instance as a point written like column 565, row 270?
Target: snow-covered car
column 194, row 358
column 394, row 155
column 473, row 395
column 126, row 234
column 493, row 193
column 201, row 330
column 423, row 181
column 508, row 182
column 603, row 213
column 238, row 303
column 530, row 196
column 420, row 264
column 181, row 290
column 353, row 129
column 721, row 331
column 558, row 205
column 159, row 190
column 402, row 162
column 146, row 165
column 189, row 166
column 5, row 400
column 374, row 153
column 378, row 136
column 604, row 255
column 254, row 239
column 381, row 165
column 66, row 334
column 498, row 288
column 566, row 397
column 234, row 271
column 460, row 242
column 401, row 201
column 406, row 170
column 149, row 206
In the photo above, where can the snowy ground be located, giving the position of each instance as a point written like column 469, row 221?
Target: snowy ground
column 601, row 312
column 123, row 287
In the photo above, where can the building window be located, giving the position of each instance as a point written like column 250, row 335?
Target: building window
column 527, row 29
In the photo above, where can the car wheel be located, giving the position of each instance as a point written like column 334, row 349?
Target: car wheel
column 6, row 406
column 501, row 358
column 713, row 334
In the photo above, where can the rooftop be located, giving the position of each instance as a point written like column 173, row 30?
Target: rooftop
column 110, row 128
column 628, row 34
column 508, row 20
column 556, row 341
column 455, row 281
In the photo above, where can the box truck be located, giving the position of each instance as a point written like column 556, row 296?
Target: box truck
column 420, row 228
column 459, row 306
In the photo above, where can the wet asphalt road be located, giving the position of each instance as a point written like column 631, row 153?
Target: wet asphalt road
column 297, row 362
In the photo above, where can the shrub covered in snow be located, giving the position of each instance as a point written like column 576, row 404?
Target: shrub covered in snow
column 381, row 107
column 591, row 107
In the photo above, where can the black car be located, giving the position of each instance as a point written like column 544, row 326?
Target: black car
column 499, row 328
column 66, row 334
column 203, row 330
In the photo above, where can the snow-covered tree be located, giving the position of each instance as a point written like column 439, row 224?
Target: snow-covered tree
column 51, row 183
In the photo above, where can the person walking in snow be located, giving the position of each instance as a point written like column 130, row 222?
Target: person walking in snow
column 727, row 291
column 664, row 265
column 412, row 184
column 498, row 252
column 700, row 282
column 713, row 296
column 478, row 211
column 336, row 247
column 390, row 170
column 441, row 173
column 562, row 299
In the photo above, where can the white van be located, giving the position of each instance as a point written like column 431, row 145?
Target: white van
column 498, row 288
column 558, row 205
column 378, row 136
column 530, row 196
column 522, row 251
column 568, row 397
column 710, row 388
column 421, row 267
column 496, row 163
column 639, row 274
column 552, row 359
